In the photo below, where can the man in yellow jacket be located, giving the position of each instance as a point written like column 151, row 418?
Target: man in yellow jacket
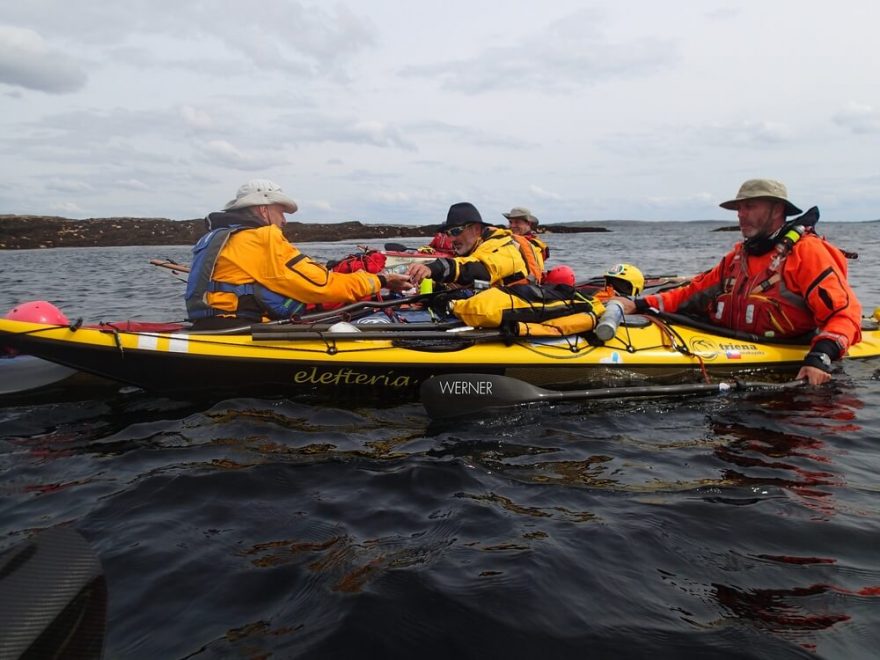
column 244, row 270
column 483, row 253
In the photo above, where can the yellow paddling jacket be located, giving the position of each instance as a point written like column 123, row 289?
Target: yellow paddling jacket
column 498, row 258
column 261, row 258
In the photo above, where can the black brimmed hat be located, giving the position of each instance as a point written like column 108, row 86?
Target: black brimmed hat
column 462, row 213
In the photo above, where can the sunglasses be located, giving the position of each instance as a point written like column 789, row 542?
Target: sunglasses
column 455, row 231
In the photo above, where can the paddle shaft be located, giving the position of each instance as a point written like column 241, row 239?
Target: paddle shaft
column 183, row 268
column 357, row 306
column 267, row 329
column 634, row 391
column 306, row 334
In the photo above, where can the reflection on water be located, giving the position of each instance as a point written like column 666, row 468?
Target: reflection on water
column 274, row 526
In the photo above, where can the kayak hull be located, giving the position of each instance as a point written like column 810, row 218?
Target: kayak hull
column 391, row 362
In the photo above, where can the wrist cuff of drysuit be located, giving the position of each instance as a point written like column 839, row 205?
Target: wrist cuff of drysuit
column 642, row 305
column 441, row 270
column 823, row 347
column 828, row 346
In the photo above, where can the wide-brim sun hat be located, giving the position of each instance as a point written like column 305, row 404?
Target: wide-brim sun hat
column 762, row 189
column 521, row 212
column 259, row 192
column 462, row 213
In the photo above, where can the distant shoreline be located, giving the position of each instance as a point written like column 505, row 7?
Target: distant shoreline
column 28, row 232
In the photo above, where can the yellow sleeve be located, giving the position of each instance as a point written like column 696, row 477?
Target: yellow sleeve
column 500, row 256
column 264, row 255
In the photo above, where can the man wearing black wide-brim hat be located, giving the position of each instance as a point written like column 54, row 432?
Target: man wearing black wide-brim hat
column 483, row 253
column 782, row 281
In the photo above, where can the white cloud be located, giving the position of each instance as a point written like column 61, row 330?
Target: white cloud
column 749, row 132
column 376, row 133
column 224, row 153
column 469, row 135
column 196, row 118
column 313, row 127
column 131, row 184
column 68, row 186
column 540, row 193
column 859, row 118
column 723, row 13
column 386, row 113
column 66, row 208
column 26, row 60
column 277, row 35
column 392, row 197
column 566, row 54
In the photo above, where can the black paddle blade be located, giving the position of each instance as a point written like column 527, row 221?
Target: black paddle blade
column 809, row 218
column 455, row 395
column 53, row 598
column 398, row 247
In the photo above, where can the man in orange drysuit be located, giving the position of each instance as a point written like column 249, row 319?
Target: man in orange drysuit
column 777, row 282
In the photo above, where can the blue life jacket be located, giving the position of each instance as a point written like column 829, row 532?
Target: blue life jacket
column 200, row 282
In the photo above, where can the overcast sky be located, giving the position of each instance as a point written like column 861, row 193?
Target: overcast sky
column 390, row 111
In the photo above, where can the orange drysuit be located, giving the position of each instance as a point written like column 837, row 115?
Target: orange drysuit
column 803, row 291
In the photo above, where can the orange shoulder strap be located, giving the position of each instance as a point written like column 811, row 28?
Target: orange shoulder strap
column 528, row 254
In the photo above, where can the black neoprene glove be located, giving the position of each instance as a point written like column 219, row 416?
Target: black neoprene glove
column 642, row 305
column 822, row 354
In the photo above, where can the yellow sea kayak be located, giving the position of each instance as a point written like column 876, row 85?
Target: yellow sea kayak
column 393, row 359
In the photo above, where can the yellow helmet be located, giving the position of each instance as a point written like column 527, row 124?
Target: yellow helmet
column 626, row 279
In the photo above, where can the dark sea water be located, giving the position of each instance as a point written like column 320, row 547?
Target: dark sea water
column 745, row 526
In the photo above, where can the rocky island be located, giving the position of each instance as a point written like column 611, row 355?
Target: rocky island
column 24, row 232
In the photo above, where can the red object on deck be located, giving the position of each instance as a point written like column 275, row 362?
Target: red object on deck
column 560, row 275
column 37, row 311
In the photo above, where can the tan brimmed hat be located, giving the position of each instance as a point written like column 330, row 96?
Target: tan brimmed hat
column 259, row 192
column 521, row 212
column 762, row 189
